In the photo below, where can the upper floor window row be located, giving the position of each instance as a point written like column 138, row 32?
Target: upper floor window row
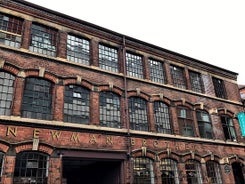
column 44, row 40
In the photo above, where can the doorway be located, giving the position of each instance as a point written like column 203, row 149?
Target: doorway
column 90, row 171
column 238, row 173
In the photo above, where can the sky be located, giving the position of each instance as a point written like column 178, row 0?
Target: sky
column 212, row 31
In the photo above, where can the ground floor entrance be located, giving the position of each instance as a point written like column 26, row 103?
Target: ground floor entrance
column 90, row 171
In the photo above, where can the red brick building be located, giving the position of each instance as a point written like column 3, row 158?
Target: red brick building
column 83, row 104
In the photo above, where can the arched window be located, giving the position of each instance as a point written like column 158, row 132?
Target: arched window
column 162, row 118
column 76, row 104
column 138, row 114
column 31, row 167
column 193, row 172
column 228, row 128
column 143, row 171
column 213, row 172
column 37, row 99
column 185, row 120
column 204, row 124
column 169, row 171
column 6, row 92
column 110, row 110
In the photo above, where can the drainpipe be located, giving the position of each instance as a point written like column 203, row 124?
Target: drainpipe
column 126, row 110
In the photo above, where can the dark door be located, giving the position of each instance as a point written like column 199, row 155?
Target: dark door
column 237, row 172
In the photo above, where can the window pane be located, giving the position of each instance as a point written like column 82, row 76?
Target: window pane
column 156, row 71
column 193, row 172
column 162, row 118
column 31, row 167
column 228, row 128
column 213, row 172
column 134, row 65
column 78, row 50
column 178, row 77
column 108, row 58
column 10, row 30
column 76, row 104
column 37, row 99
column 43, row 40
column 185, row 121
column 196, row 82
column 138, row 114
column 219, row 88
column 169, row 171
column 143, row 171
column 110, row 110
column 6, row 92
column 204, row 124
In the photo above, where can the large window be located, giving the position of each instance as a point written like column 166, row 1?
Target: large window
column 138, row 114
column 31, row 167
column 10, row 30
column 162, row 118
column 228, row 128
column 37, row 99
column 157, row 72
column 219, row 88
column 108, row 58
column 6, row 92
column 204, row 124
column 78, row 50
column 213, row 172
column 196, row 82
column 178, row 77
column 76, row 104
column 143, row 171
column 169, row 171
column 43, row 40
column 193, row 172
column 185, row 120
column 134, row 66
column 110, row 110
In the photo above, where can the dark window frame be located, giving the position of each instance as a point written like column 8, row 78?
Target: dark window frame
column 178, row 76
column 108, row 58
column 228, row 128
column 169, row 170
column 162, row 118
column 196, row 82
column 110, row 110
column 213, row 172
column 78, row 49
column 193, row 172
column 37, row 99
column 157, row 72
column 219, row 88
column 134, row 65
column 204, row 122
column 76, row 104
column 138, row 114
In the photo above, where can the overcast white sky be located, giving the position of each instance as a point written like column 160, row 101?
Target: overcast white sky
column 212, row 31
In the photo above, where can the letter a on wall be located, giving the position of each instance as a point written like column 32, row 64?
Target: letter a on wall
column 241, row 119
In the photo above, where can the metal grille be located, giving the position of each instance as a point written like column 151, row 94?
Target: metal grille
column 193, row 172
column 31, row 167
column 219, row 88
column 185, row 121
column 156, row 71
column 162, row 118
column 178, row 77
column 138, row 114
column 6, row 92
column 37, row 99
column 78, row 50
column 134, row 65
column 76, row 104
column 228, row 128
column 196, row 82
column 108, row 58
column 169, row 171
column 110, row 110
column 213, row 172
column 143, row 171
column 43, row 40
column 204, row 124
column 10, row 30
